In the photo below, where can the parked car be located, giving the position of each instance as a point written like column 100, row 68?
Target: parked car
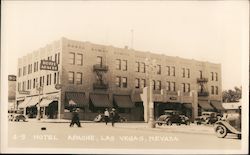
column 16, row 115
column 230, row 123
column 172, row 116
column 207, row 118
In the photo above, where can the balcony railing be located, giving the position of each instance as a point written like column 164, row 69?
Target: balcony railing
column 203, row 94
column 100, row 67
column 199, row 80
column 100, row 86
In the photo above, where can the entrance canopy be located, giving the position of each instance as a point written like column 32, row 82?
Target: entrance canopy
column 205, row 105
column 217, row 105
column 78, row 98
column 123, row 101
column 24, row 103
column 100, row 100
column 45, row 102
column 33, row 102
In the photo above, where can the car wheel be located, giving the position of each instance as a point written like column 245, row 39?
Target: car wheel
column 169, row 122
column 221, row 131
column 160, row 124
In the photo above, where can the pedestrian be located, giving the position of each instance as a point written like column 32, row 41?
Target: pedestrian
column 106, row 116
column 113, row 116
column 75, row 119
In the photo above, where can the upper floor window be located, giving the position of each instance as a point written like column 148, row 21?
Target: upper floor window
column 19, row 72
column 124, row 82
column 154, row 84
column 137, row 66
column 72, row 58
column 168, row 86
column 143, row 83
column 168, row 70
column 78, row 78
column 158, row 85
column 183, row 87
column 71, row 77
column 188, row 87
column 172, row 88
column 79, row 59
column 118, row 81
column 173, row 71
column 54, row 78
column 212, row 89
column 200, row 73
column 216, row 76
column 137, row 83
column 99, row 60
column 216, row 90
column 212, row 76
column 118, row 64
column 188, row 73
column 24, row 70
column 158, row 68
column 124, row 65
column 183, row 72
column 56, row 57
column 143, row 67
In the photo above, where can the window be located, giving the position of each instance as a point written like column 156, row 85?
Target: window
column 188, row 73
column 137, row 83
column 212, row 76
column 72, row 58
column 158, row 85
column 54, row 78
column 168, row 86
column 47, row 80
column 168, row 70
column 200, row 74
column 18, row 86
column 118, row 81
column 41, row 80
column 79, row 59
column 24, row 70
column 118, row 64
column 143, row 67
column 34, row 83
column 158, row 67
column 153, row 84
column 216, row 76
column 188, row 87
column 143, row 83
column 79, row 78
column 183, row 72
column 56, row 57
column 137, row 65
column 28, row 84
column 124, row 65
column 172, row 86
column 216, row 90
column 71, row 77
column 19, row 72
column 212, row 89
column 173, row 71
column 183, row 87
column 57, row 77
column 124, row 82
column 99, row 60
column 23, row 86
column 35, row 67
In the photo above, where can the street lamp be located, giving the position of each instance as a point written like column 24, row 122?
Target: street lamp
column 40, row 89
column 151, row 65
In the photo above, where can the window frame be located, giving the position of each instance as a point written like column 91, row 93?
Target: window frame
column 69, row 77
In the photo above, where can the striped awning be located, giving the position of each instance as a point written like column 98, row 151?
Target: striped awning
column 205, row 105
column 217, row 105
column 78, row 98
column 45, row 102
column 24, row 103
column 100, row 100
column 123, row 101
column 34, row 101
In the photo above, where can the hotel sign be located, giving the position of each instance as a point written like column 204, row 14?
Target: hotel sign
column 48, row 65
column 24, row 92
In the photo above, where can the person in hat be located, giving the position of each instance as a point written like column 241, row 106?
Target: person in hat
column 75, row 119
column 113, row 116
column 106, row 116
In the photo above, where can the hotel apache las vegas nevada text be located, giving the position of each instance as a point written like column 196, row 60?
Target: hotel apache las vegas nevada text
column 92, row 77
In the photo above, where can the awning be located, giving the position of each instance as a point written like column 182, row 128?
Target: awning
column 205, row 105
column 123, row 101
column 77, row 98
column 217, row 105
column 24, row 103
column 33, row 102
column 187, row 105
column 45, row 102
column 100, row 100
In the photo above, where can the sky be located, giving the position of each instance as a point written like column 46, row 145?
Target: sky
column 214, row 31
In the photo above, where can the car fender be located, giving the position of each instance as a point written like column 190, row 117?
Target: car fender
column 228, row 126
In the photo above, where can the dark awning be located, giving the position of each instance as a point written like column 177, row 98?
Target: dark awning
column 123, row 101
column 217, row 105
column 187, row 105
column 100, row 100
column 205, row 105
column 76, row 99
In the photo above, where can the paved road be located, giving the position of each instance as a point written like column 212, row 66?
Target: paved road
column 127, row 135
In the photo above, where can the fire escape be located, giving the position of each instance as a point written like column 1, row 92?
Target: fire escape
column 100, row 70
column 202, row 83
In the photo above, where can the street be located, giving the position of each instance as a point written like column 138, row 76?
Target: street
column 123, row 135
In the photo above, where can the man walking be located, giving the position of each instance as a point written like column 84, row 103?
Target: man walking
column 75, row 119
column 106, row 116
column 113, row 116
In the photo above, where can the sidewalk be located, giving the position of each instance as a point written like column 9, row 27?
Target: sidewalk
column 191, row 129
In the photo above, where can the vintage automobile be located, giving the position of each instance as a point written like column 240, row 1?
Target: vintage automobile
column 172, row 116
column 207, row 118
column 16, row 115
column 230, row 123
